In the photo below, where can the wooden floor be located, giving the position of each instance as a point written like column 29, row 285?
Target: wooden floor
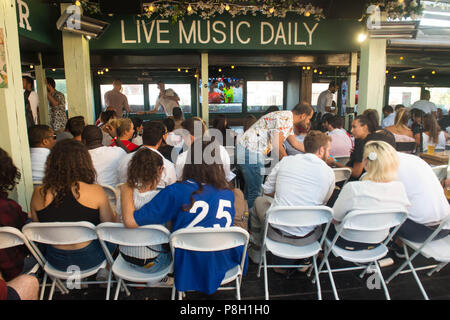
column 299, row 287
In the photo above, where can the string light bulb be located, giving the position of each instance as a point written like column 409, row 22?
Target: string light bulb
column 308, row 67
column 186, row 70
column 401, row 58
column 304, row 68
column 31, row 66
column 232, row 67
column 433, row 72
column 271, row 10
column 387, row 71
column 77, row 3
column 220, row 70
column 53, row 69
column 151, row 8
column 227, row 7
column 106, row 69
column 189, row 8
column 413, row 77
column 320, row 72
column 394, row 77
column 307, row 14
column 179, row 69
column 315, row 70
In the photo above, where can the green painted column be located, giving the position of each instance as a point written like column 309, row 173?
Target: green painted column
column 13, row 128
column 372, row 75
column 205, row 103
column 42, row 93
column 77, row 69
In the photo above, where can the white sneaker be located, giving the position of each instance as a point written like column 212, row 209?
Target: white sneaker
column 254, row 255
column 166, row 282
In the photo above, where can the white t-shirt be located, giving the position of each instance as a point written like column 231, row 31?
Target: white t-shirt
column 168, row 175
column 167, row 104
column 424, row 105
column 341, row 144
column 38, row 158
column 325, row 100
column 174, row 140
column 34, row 103
column 388, row 121
column 224, row 160
column 429, row 205
column 105, row 161
column 369, row 195
column 440, row 145
column 300, row 180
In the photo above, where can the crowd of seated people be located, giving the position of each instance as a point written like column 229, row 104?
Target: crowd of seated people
column 160, row 185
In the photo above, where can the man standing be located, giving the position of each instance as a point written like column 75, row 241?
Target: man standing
column 116, row 100
column 299, row 180
column 325, row 100
column 265, row 135
column 42, row 139
column 57, row 101
column 167, row 99
column 425, row 105
column 31, row 101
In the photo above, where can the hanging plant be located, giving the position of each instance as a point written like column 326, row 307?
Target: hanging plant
column 399, row 9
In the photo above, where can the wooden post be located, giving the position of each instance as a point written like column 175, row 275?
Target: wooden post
column 13, row 126
column 205, row 104
column 42, row 92
column 78, row 74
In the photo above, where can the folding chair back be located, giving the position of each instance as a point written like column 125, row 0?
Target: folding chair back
column 209, row 239
column 60, row 233
column 299, row 216
column 376, row 221
column 440, row 172
column 407, row 147
column 11, row 237
column 342, row 159
column 342, row 174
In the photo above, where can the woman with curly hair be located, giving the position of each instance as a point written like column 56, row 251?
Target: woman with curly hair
column 144, row 172
column 202, row 199
column 69, row 194
column 11, row 215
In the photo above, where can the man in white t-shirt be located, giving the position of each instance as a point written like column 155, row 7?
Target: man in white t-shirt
column 33, row 98
column 167, row 99
column 325, row 100
column 151, row 138
column 299, row 180
column 425, row 105
column 429, row 206
column 105, row 159
column 42, row 139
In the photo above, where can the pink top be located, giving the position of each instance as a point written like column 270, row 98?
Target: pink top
column 403, row 138
column 341, row 144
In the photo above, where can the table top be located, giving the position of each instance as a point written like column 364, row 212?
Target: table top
column 437, row 158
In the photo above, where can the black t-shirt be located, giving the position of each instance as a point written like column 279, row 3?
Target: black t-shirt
column 358, row 151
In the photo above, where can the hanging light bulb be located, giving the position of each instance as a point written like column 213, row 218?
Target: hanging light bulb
column 53, row 69
column 307, row 14
column 387, row 71
column 179, row 69
column 320, row 72
column 31, row 66
column 186, row 70
column 315, row 70
column 433, row 72
column 308, row 67
column 304, row 68
column 77, row 3
column 413, row 77
column 189, row 8
column 106, row 69
column 401, row 58
column 232, row 67
column 227, row 7
column 151, row 8
column 271, row 10
column 394, row 77
column 220, row 70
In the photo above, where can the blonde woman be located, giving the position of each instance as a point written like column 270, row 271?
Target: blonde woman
column 378, row 189
column 400, row 128
column 125, row 130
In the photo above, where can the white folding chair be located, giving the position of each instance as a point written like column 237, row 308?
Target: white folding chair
column 342, row 159
column 365, row 222
column 61, row 233
column 298, row 216
column 439, row 250
column 11, row 237
column 139, row 237
column 342, row 174
column 440, row 172
column 112, row 194
column 209, row 240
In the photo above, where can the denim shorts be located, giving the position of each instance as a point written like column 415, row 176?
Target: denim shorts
column 85, row 258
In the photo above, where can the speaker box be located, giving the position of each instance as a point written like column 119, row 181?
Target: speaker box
column 120, row 6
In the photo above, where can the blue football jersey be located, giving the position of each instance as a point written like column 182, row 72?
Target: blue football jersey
column 200, row 271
